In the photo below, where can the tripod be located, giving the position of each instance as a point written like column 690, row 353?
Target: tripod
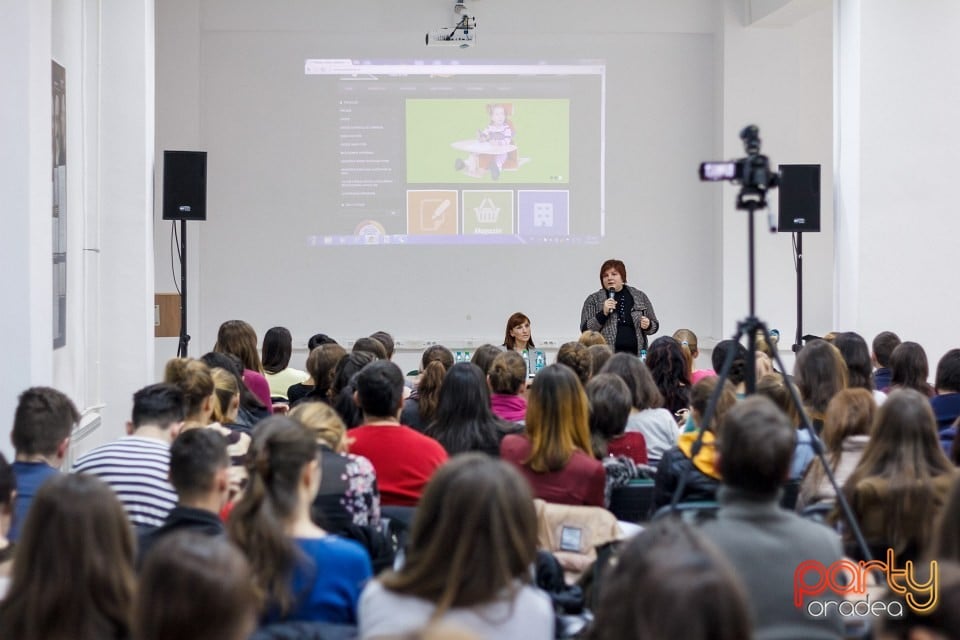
column 751, row 199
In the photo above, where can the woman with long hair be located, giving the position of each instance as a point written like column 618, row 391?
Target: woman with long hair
column 468, row 560
column 691, row 351
column 555, row 454
column 341, row 392
column 238, row 338
column 856, row 354
column 276, row 353
column 670, row 372
column 348, row 492
column 737, row 373
column 463, row 421
column 846, row 432
column 901, row 482
column 819, row 373
column 610, row 403
column 658, row 426
column 305, row 573
column 909, row 369
column 252, row 410
column 419, row 409
column 73, row 575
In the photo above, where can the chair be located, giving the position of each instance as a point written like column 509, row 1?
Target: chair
column 633, row 502
column 572, row 534
column 694, row 512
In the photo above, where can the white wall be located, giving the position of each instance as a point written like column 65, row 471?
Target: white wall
column 897, row 139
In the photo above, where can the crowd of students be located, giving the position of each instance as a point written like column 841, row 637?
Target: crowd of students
column 250, row 499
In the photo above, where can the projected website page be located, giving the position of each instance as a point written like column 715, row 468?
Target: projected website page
column 463, row 153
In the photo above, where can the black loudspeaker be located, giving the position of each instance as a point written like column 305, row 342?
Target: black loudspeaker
column 799, row 198
column 184, row 185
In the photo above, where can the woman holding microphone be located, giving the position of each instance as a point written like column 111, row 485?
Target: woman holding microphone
column 623, row 314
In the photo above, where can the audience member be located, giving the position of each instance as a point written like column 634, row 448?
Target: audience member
column 382, row 437
column 73, row 572
column 846, row 432
column 195, row 587
column 8, row 490
column 238, row 338
column 463, row 421
column 348, row 492
column 819, row 373
column 700, row 470
column 277, row 349
column 41, row 431
column 883, row 345
column 902, row 480
column 737, row 374
column 484, row 356
column 856, row 354
column 554, row 454
column 195, row 380
column 419, row 408
column 577, row 357
column 319, row 339
column 590, row 337
column 688, row 343
column 371, row 345
column 252, row 410
column 909, row 368
column 305, row 573
column 610, row 403
column 647, row 417
column 670, row 582
column 518, row 337
column 322, row 366
column 137, row 466
column 508, row 382
column 765, row 543
column 198, row 472
column 468, row 560
column 946, row 402
column 344, row 386
column 387, row 341
column 599, row 355
column 670, row 373
column 775, row 387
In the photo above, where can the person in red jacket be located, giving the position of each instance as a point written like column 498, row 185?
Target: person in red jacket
column 403, row 458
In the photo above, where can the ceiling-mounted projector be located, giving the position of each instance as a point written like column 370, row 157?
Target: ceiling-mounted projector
column 463, row 35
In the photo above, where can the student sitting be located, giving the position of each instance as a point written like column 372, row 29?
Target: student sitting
column 508, row 381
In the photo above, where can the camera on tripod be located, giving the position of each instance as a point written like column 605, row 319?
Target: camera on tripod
column 753, row 172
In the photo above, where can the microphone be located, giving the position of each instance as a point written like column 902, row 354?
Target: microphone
column 610, row 293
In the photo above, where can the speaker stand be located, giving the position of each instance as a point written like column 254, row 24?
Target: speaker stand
column 798, row 264
column 184, row 337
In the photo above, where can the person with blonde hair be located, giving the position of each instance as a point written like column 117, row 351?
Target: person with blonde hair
column 348, row 492
column 468, row 560
column 589, row 338
column 555, row 454
column 846, row 432
column 691, row 351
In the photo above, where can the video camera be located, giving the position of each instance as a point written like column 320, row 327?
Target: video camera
column 753, row 172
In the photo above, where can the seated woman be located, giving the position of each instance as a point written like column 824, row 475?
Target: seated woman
column 468, row 561
column 321, row 365
column 738, row 367
column 508, row 382
column 464, row 421
column 846, row 432
column 517, row 337
column 277, row 349
column 419, row 408
column 577, row 357
column 484, row 356
column 305, row 573
column 701, row 472
column 342, row 391
column 555, row 455
column 688, row 344
column 589, row 338
column 251, row 410
column 856, row 354
column 610, row 404
column 205, row 587
column 658, row 426
column 819, row 373
column 348, row 492
column 909, row 369
column 76, row 529
column 774, row 386
column 902, row 480
column 599, row 355
column 670, row 373
column 238, row 338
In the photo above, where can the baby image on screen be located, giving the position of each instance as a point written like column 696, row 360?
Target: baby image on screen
column 494, row 149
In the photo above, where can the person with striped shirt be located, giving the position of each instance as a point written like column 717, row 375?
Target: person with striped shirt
column 137, row 466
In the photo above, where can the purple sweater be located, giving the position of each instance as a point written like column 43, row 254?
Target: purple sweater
column 508, row 407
